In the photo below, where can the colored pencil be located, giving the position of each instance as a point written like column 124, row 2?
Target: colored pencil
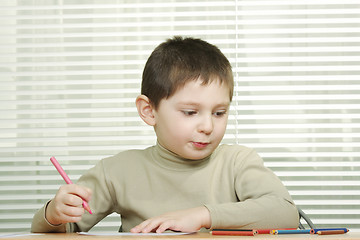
column 315, row 230
column 297, row 231
column 330, row 232
column 234, row 232
column 67, row 180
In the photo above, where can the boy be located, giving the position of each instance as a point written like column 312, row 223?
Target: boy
column 185, row 182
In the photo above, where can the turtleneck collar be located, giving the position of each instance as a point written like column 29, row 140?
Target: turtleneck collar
column 172, row 161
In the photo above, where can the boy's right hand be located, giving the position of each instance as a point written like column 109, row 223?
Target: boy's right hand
column 67, row 204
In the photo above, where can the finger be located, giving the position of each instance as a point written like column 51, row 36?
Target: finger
column 73, row 211
column 152, row 226
column 163, row 227
column 169, row 225
column 138, row 228
column 73, row 194
column 147, row 226
column 71, row 200
column 81, row 191
column 70, row 218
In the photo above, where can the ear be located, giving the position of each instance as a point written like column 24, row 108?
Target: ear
column 145, row 109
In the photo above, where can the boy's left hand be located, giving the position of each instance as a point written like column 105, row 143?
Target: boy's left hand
column 189, row 220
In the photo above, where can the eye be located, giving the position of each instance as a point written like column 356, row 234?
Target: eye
column 219, row 113
column 189, row 112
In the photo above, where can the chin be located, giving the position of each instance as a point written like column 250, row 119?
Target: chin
column 197, row 156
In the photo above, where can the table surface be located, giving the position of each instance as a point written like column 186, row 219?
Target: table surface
column 194, row 236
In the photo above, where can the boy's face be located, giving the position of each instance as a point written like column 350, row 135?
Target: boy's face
column 192, row 122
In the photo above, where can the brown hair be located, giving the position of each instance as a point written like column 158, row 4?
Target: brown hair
column 179, row 60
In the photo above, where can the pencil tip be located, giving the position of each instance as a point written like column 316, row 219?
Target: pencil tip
column 87, row 208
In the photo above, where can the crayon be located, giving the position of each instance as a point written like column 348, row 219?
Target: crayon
column 67, row 179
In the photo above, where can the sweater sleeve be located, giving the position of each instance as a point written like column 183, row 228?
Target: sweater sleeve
column 101, row 204
column 102, row 199
column 263, row 201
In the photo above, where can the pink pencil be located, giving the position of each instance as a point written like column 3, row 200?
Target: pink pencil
column 67, row 179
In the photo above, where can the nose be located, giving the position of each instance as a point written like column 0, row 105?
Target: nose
column 206, row 125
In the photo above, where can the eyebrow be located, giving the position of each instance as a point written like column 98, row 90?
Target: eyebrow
column 194, row 104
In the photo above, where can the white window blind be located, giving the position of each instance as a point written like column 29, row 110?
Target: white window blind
column 71, row 70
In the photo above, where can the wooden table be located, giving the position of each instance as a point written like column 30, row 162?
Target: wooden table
column 195, row 236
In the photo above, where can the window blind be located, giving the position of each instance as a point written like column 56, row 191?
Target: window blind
column 70, row 72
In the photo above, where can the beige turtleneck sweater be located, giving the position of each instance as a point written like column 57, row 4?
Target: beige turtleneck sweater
column 139, row 184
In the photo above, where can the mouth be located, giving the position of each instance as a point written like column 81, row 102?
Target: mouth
column 200, row 144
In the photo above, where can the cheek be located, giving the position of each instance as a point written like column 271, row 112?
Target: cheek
column 221, row 127
column 181, row 127
column 173, row 125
